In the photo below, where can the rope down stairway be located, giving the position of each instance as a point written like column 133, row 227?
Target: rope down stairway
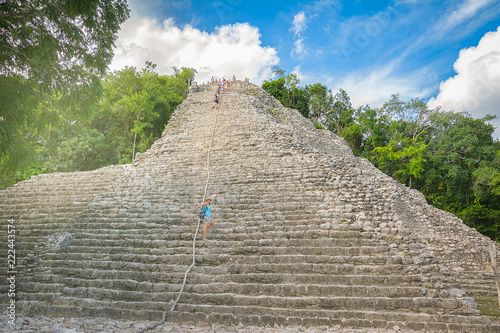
column 195, row 234
column 305, row 232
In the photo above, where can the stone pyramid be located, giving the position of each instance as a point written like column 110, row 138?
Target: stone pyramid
column 305, row 232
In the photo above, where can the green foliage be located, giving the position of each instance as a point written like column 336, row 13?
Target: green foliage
column 285, row 88
column 488, row 307
column 19, row 125
column 403, row 159
column 484, row 217
column 373, row 127
column 59, row 43
column 405, row 118
column 79, row 150
column 278, row 72
column 52, row 55
column 318, row 125
column 319, row 101
column 136, row 108
column 340, row 113
column 487, row 177
column 276, row 88
column 354, row 136
column 458, row 145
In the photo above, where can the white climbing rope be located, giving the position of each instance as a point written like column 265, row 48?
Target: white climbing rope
column 199, row 220
column 195, row 235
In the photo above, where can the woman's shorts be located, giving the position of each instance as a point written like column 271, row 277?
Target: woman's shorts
column 207, row 219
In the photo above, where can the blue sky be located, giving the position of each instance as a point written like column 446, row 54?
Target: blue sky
column 446, row 52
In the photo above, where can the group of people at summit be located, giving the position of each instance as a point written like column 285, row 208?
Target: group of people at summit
column 223, row 86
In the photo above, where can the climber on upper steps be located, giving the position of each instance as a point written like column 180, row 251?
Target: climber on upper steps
column 216, row 101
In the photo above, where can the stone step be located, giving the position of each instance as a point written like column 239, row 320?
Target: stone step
column 134, row 257
column 311, row 290
column 335, row 269
column 155, row 263
column 206, row 275
column 277, row 246
column 251, row 255
column 71, row 185
column 366, row 260
column 387, row 319
column 103, row 265
column 109, row 279
column 329, row 279
column 479, row 285
column 173, row 243
column 112, row 261
column 26, row 216
column 33, row 235
column 155, row 273
column 26, row 224
column 320, row 252
column 428, row 305
column 159, row 301
column 144, row 237
column 123, row 287
column 85, row 310
column 479, row 293
column 266, row 316
column 238, row 265
column 73, row 190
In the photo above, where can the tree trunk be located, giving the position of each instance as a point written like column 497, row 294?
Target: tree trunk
column 135, row 137
column 133, row 150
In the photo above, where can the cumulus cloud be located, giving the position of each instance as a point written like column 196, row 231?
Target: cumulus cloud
column 229, row 50
column 476, row 86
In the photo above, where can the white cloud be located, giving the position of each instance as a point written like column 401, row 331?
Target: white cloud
column 298, row 27
column 301, row 20
column 229, row 50
column 299, row 23
column 464, row 12
column 299, row 47
column 476, row 86
column 376, row 86
column 301, row 76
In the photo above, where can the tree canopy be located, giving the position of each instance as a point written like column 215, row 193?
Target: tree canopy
column 61, row 44
column 53, row 54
